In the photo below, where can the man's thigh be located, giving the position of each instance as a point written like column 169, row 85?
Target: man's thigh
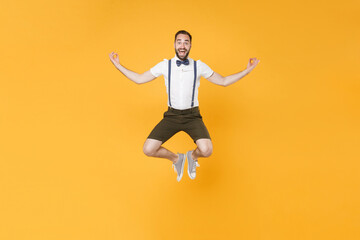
column 204, row 144
column 197, row 130
column 151, row 145
column 164, row 130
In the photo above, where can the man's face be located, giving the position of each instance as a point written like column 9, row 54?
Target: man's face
column 182, row 46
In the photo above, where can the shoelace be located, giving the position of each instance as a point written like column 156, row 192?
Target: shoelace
column 194, row 166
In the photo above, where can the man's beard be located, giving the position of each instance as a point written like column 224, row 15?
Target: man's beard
column 185, row 57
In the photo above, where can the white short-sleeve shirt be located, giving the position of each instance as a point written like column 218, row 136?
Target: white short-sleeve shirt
column 182, row 81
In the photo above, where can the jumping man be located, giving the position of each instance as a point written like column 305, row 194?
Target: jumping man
column 182, row 79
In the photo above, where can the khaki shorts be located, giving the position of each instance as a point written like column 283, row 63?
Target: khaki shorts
column 188, row 120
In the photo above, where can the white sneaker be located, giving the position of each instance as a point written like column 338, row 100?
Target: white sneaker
column 179, row 166
column 192, row 164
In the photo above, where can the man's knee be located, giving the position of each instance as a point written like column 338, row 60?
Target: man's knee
column 150, row 148
column 206, row 149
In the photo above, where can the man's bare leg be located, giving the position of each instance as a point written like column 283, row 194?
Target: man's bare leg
column 153, row 148
column 204, row 148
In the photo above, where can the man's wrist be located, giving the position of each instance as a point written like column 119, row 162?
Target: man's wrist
column 247, row 70
column 117, row 65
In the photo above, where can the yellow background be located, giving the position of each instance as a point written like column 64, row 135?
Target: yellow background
column 286, row 137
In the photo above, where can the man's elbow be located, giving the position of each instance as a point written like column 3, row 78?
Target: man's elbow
column 140, row 79
column 144, row 78
column 224, row 82
column 136, row 80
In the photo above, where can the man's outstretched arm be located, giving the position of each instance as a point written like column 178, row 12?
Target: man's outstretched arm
column 133, row 76
column 226, row 81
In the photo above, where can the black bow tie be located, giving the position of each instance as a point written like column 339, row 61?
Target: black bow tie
column 185, row 62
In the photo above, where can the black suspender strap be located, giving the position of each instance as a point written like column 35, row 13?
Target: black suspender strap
column 195, row 76
column 169, row 76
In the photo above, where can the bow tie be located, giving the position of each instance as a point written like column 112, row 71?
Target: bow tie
column 185, row 62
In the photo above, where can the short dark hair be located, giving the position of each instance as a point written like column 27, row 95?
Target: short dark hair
column 183, row 32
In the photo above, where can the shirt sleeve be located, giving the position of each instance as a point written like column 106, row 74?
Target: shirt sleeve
column 205, row 70
column 158, row 69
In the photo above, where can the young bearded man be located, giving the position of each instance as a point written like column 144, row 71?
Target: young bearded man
column 182, row 79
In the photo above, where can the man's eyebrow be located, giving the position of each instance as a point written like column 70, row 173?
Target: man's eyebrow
column 184, row 40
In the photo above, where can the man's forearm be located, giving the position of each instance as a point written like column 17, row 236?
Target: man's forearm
column 235, row 77
column 133, row 76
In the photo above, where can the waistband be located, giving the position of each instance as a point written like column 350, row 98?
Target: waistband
column 185, row 111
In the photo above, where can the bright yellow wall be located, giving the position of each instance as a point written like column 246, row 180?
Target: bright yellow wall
column 286, row 137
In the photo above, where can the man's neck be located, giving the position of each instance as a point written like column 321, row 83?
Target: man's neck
column 183, row 58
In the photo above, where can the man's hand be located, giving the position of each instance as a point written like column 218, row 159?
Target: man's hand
column 133, row 76
column 252, row 64
column 114, row 57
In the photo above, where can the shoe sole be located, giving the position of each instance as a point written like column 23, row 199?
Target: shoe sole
column 188, row 170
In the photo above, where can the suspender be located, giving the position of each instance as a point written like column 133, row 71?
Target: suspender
column 169, row 81
column 193, row 94
column 169, row 76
